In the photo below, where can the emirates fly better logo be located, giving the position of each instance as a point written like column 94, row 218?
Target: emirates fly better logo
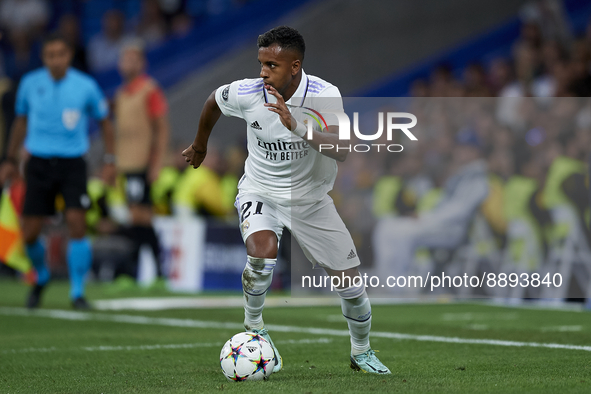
column 345, row 130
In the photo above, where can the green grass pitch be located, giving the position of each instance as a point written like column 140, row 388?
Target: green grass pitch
column 152, row 352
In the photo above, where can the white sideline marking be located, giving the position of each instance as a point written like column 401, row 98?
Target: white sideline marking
column 156, row 347
column 163, row 303
column 467, row 316
column 477, row 327
column 87, row 316
column 562, row 328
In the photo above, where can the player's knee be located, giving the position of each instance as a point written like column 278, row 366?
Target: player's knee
column 352, row 292
column 262, row 244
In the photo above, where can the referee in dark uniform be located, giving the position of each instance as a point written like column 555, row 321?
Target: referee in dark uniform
column 53, row 106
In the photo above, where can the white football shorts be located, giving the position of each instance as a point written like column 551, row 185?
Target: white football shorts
column 317, row 228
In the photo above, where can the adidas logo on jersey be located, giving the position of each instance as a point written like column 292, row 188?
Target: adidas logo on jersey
column 255, row 125
column 351, row 255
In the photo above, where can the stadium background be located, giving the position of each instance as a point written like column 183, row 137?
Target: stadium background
column 502, row 51
column 367, row 50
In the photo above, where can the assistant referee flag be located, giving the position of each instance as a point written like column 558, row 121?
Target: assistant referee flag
column 12, row 248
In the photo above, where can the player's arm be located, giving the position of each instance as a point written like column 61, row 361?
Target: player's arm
column 161, row 128
column 158, row 110
column 17, row 136
column 210, row 114
column 330, row 137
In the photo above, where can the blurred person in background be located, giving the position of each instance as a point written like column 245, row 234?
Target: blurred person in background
column 445, row 226
column 104, row 48
column 171, row 9
column 22, row 56
column 441, row 81
column 152, row 24
column 181, row 25
column 546, row 20
column 475, row 81
column 526, row 217
column 52, row 108
column 69, row 28
column 162, row 189
column 200, row 191
column 30, row 16
column 142, row 130
column 500, row 75
column 234, row 158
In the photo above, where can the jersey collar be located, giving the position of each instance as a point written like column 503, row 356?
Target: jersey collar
column 301, row 91
column 50, row 77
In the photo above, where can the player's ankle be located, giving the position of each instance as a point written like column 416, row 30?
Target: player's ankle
column 356, row 351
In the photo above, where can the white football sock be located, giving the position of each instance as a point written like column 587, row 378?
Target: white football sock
column 256, row 280
column 357, row 310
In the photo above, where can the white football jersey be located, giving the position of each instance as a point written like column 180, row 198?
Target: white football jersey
column 280, row 165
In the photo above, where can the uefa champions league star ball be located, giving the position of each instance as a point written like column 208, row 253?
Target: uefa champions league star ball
column 247, row 356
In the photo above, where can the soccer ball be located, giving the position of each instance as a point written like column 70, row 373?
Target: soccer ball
column 247, row 356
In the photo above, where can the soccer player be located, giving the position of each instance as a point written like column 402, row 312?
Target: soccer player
column 286, row 182
column 141, row 138
column 53, row 106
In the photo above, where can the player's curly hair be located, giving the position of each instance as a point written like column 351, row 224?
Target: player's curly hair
column 284, row 36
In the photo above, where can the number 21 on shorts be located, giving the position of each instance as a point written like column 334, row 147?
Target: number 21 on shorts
column 245, row 210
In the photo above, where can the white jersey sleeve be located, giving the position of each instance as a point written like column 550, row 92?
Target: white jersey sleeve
column 330, row 100
column 228, row 100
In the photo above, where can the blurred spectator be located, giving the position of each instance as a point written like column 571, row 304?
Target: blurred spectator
column 152, row 25
column 104, row 48
column 500, row 75
column 580, row 84
column 475, row 81
column 181, row 25
column 562, row 79
column 446, row 225
column 531, row 36
column 69, row 28
column 441, row 80
column 30, row 16
column 233, row 171
column 549, row 18
column 199, row 191
column 141, row 122
column 163, row 188
column 419, row 88
column 23, row 56
column 547, row 63
column 170, row 9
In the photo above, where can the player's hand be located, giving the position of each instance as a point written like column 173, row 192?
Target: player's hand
column 109, row 174
column 194, row 157
column 8, row 170
column 280, row 108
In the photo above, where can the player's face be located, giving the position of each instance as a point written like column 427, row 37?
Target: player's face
column 278, row 67
column 131, row 63
column 57, row 57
